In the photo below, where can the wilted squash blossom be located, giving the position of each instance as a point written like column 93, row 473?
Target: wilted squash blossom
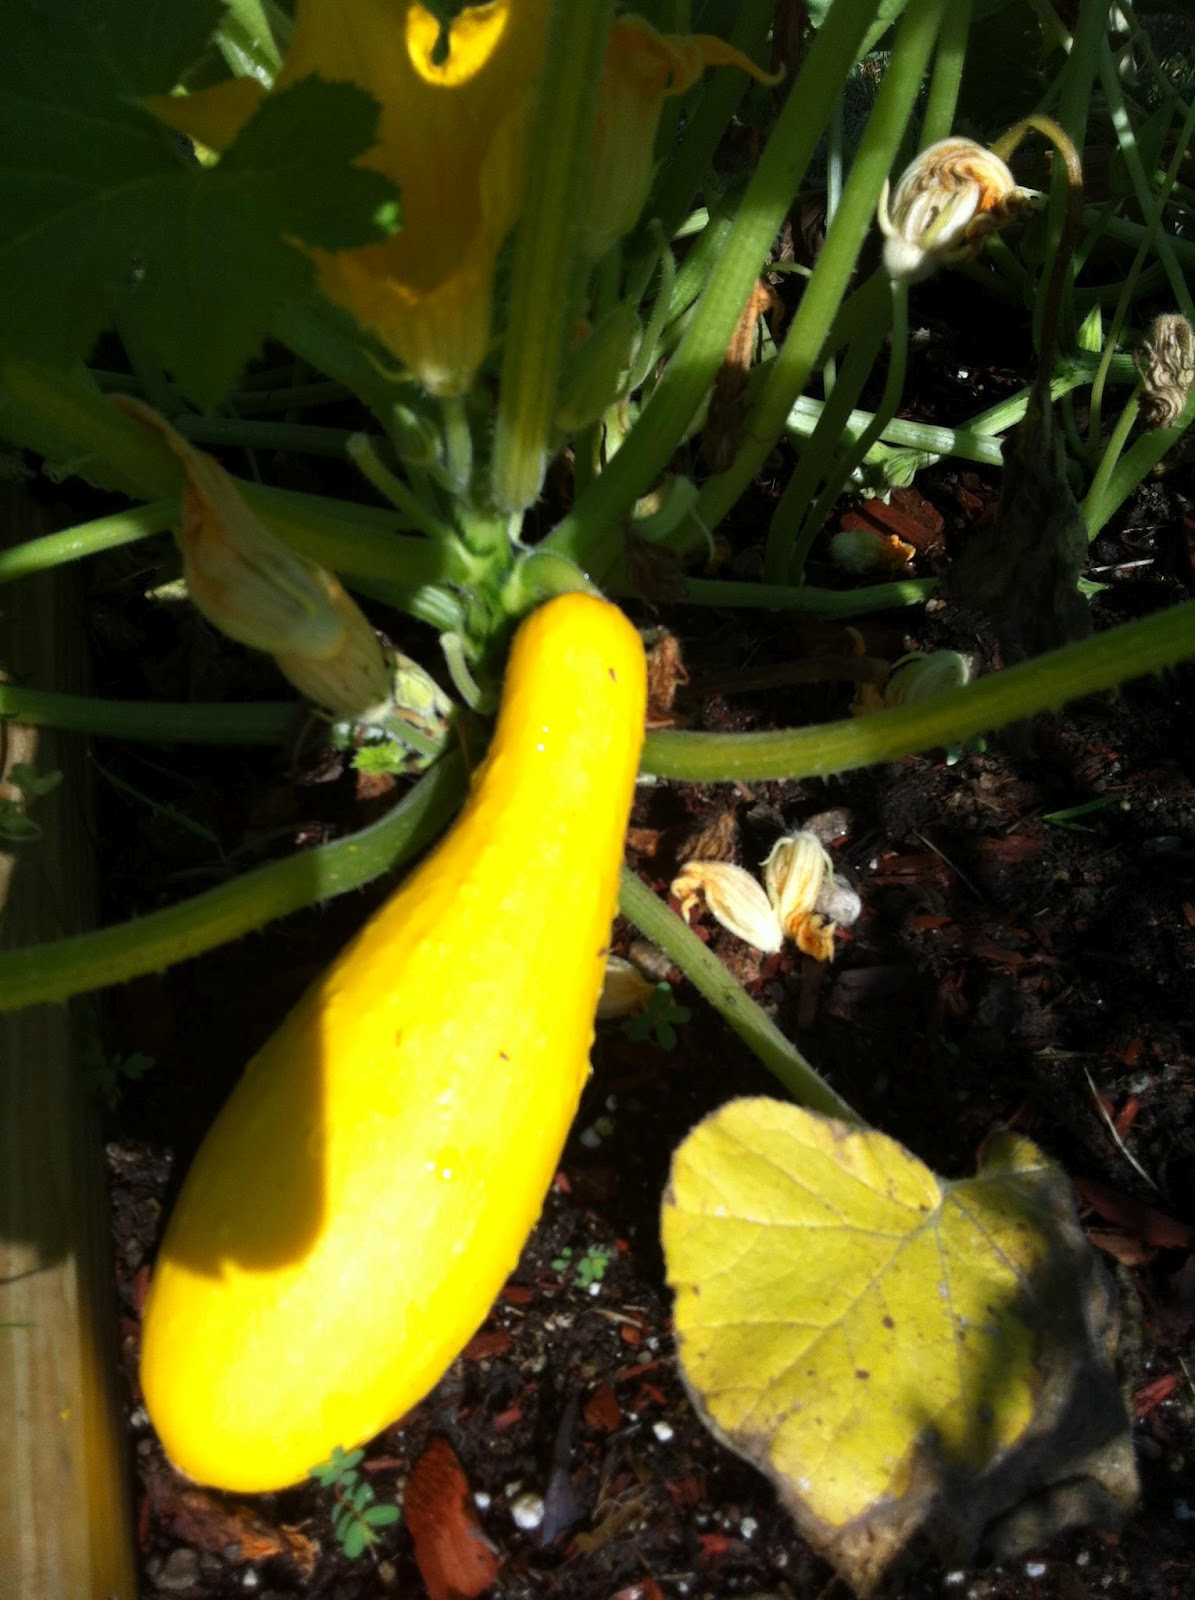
column 793, row 874
column 947, row 201
column 863, row 550
column 1167, row 363
column 736, row 899
column 253, row 588
column 642, row 68
column 625, row 991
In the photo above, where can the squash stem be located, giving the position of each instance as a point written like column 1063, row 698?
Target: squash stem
column 151, row 943
column 730, row 1000
column 1046, row 682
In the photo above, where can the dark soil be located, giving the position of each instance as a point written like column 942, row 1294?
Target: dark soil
column 1008, row 969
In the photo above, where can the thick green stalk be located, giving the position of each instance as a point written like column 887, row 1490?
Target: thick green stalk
column 947, row 77
column 299, row 438
column 1143, row 186
column 1043, row 684
column 1136, row 464
column 684, row 174
column 342, row 536
column 544, row 247
column 803, row 599
column 73, row 407
column 732, row 1002
column 794, row 558
column 160, row 939
column 803, row 345
column 588, row 535
column 158, row 721
column 87, row 539
column 816, row 461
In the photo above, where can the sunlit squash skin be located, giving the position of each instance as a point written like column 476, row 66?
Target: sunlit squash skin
column 368, row 1187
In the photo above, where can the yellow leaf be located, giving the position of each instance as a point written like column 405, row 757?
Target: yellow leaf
column 896, row 1351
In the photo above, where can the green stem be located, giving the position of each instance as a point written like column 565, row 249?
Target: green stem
column 1095, row 513
column 75, row 409
column 161, row 939
column 588, row 535
column 1137, row 462
column 856, row 453
column 362, row 452
column 1142, row 185
column 87, row 539
column 158, row 721
column 944, row 85
column 731, row 1001
column 299, row 438
column 541, row 271
column 816, row 460
column 803, row 345
column 803, row 599
column 684, row 175
column 1130, row 651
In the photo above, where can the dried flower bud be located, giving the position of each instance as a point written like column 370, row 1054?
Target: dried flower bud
column 920, row 677
column 948, row 200
column 813, row 935
column 793, row 875
column 863, row 550
column 1167, row 364
column 735, row 898
column 255, row 589
column 625, row 991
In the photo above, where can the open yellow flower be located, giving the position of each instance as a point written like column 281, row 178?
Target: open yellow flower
column 451, row 136
column 456, row 107
column 642, row 68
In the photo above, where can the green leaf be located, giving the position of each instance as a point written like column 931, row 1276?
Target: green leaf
column 381, row 1516
column 102, row 209
column 355, row 1540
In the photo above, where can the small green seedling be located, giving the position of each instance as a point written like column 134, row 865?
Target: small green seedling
column 16, row 825
column 590, row 1269
column 658, row 1020
column 107, row 1077
column 357, row 1516
column 1068, row 817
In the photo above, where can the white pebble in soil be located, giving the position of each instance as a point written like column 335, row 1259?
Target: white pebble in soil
column 663, row 1431
column 527, row 1512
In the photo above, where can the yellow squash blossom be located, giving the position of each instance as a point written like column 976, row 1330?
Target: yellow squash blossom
column 451, row 136
column 456, row 108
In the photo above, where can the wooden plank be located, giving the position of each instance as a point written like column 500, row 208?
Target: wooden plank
column 65, row 1531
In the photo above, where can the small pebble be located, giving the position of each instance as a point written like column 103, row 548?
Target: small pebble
column 482, row 1500
column 249, row 1578
column 139, row 1417
column 595, row 1288
column 663, row 1431
column 180, row 1570
column 590, row 1138
column 748, row 1527
column 1035, row 1569
column 953, row 1579
column 527, row 1511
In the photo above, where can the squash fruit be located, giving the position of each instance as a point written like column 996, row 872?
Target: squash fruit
column 368, row 1187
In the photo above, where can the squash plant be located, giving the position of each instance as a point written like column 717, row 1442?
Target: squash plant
column 501, row 229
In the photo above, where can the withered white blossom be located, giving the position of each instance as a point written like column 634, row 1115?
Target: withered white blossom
column 946, row 203
column 1166, row 361
column 736, row 899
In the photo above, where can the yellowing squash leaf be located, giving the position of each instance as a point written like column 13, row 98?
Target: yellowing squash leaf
column 897, row 1352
